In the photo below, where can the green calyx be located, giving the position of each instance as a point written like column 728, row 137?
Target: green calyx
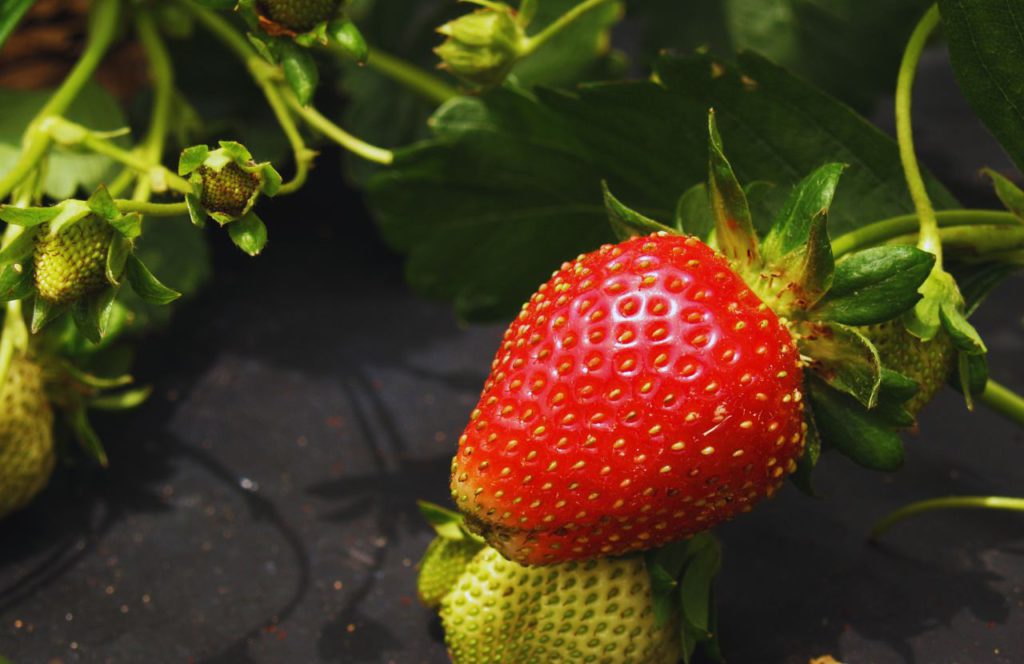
column 482, row 47
column 226, row 184
column 859, row 398
column 652, row 608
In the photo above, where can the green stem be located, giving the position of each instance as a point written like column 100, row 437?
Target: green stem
column 161, row 70
column 1004, row 401
column 266, row 77
column 339, row 135
column 75, row 134
column 102, row 28
column 561, row 23
column 419, row 81
column 13, row 334
column 887, row 229
column 929, row 240
column 152, row 209
column 953, row 502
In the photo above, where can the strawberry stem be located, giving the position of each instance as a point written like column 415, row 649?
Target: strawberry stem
column 161, row 71
column 13, row 334
column 952, row 502
column 1004, row 401
column 882, row 231
column 71, row 133
column 103, row 22
column 339, row 135
column 424, row 84
column 558, row 25
column 929, row 240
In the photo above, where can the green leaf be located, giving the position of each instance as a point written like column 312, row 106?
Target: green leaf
column 875, row 285
column 574, row 53
column 10, row 14
column 859, row 434
column 693, row 212
column 178, row 252
column 92, row 314
column 146, row 285
column 850, row 48
column 986, row 49
column 965, row 338
column 971, row 376
column 844, row 358
column 627, row 223
column 192, row 158
column 734, row 227
column 663, row 586
column 121, row 400
column 128, row 225
column 68, row 212
column 447, row 523
column 16, row 282
column 20, row 248
column 1009, row 194
column 249, row 234
column 816, row 269
column 300, row 71
column 87, row 437
column 509, row 187
column 44, row 312
column 28, row 217
column 801, row 478
column 809, row 198
column 102, row 204
column 196, row 211
column 69, row 171
column 389, row 114
column 697, row 579
column 346, row 35
column 117, row 254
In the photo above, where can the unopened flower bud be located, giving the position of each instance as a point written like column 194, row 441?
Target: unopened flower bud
column 482, row 47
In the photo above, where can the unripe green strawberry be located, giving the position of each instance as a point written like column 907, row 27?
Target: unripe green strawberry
column 229, row 190
column 442, row 565
column 928, row 363
column 599, row 611
column 72, row 264
column 26, row 436
column 298, row 15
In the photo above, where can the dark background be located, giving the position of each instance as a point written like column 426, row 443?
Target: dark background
column 261, row 507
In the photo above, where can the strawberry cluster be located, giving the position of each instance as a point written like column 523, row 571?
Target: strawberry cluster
column 653, row 389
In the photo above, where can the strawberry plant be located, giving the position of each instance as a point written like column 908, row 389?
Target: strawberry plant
column 738, row 272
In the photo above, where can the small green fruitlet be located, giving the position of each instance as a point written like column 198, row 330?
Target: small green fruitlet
column 26, row 436
column 72, row 264
column 298, row 15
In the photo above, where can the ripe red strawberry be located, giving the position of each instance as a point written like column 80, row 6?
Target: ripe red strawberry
column 642, row 395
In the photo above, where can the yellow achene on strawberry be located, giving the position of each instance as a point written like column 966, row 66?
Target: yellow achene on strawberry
column 26, row 436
